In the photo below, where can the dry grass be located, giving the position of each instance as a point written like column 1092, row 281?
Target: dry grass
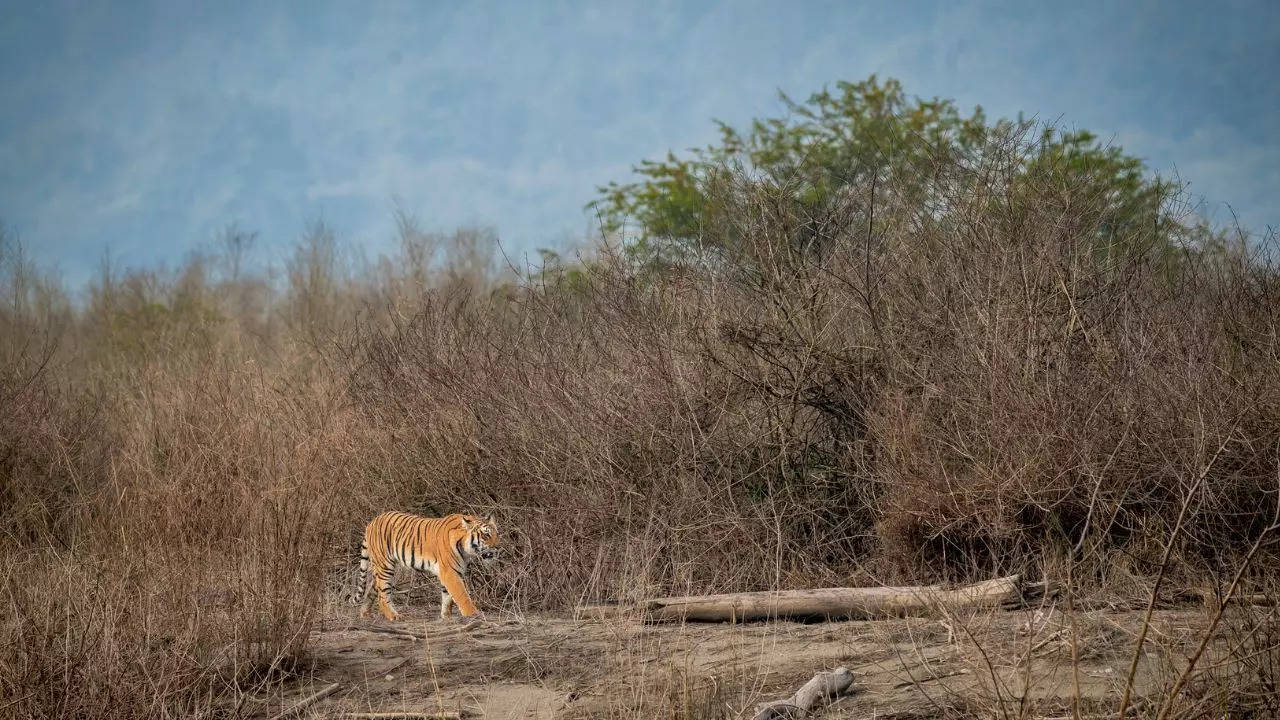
column 867, row 391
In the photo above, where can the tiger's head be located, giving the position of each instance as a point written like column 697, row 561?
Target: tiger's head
column 481, row 541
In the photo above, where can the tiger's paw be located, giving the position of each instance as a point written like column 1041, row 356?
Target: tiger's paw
column 477, row 617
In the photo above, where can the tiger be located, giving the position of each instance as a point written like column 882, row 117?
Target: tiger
column 445, row 546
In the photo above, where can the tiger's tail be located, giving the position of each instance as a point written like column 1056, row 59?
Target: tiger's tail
column 363, row 588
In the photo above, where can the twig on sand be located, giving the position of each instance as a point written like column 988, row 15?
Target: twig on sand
column 930, row 678
column 455, row 631
column 432, row 715
column 392, row 631
column 307, row 702
column 403, row 661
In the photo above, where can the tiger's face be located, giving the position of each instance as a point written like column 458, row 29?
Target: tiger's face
column 482, row 539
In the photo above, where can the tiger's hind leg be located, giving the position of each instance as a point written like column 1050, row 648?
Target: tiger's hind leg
column 382, row 582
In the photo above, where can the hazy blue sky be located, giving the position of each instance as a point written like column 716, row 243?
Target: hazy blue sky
column 147, row 127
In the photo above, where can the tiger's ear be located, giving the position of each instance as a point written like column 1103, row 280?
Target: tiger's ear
column 465, row 525
column 488, row 519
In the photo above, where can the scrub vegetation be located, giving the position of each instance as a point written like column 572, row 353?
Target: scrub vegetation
column 874, row 340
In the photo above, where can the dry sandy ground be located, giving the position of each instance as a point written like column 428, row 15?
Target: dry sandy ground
column 539, row 666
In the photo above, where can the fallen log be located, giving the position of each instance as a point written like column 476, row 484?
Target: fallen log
column 825, row 603
column 823, row 688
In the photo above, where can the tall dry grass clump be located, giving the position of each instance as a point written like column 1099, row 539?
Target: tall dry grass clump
column 173, row 486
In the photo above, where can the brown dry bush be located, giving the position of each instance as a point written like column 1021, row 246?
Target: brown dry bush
column 194, row 566
column 170, row 506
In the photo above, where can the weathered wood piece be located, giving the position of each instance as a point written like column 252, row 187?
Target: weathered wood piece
column 830, row 603
column 822, row 689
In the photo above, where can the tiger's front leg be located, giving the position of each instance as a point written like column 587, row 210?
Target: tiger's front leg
column 446, row 605
column 456, row 589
